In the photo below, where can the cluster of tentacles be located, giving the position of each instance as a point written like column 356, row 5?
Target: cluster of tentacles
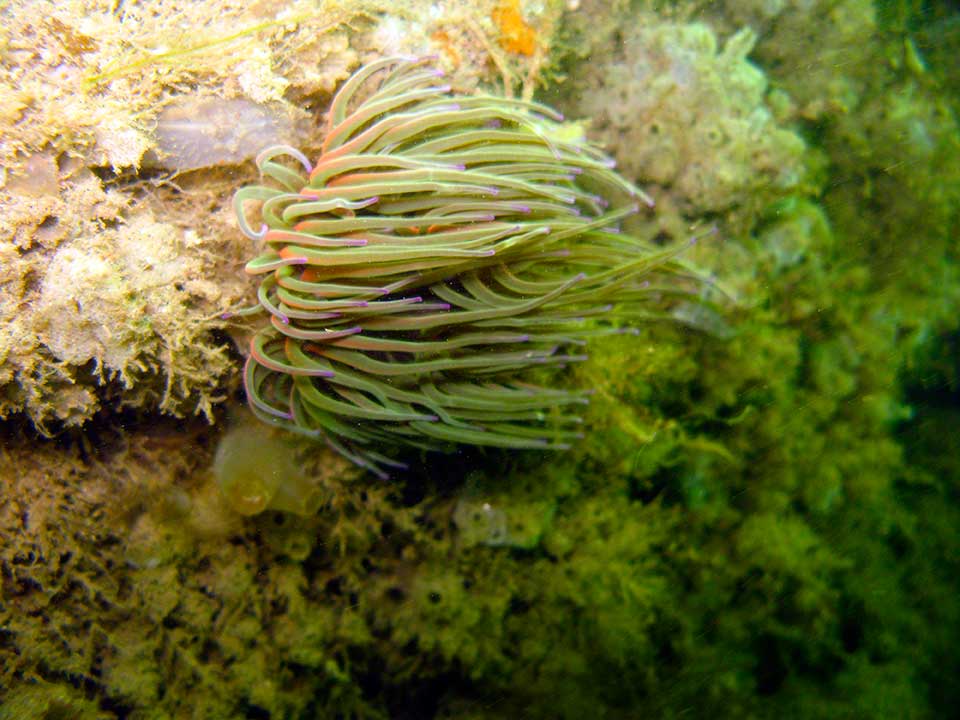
column 440, row 248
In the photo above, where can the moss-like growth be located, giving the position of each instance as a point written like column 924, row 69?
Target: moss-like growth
column 762, row 523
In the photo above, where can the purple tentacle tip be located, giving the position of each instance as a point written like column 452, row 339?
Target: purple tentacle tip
column 226, row 315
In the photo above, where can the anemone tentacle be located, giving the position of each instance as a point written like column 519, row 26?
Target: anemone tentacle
column 438, row 250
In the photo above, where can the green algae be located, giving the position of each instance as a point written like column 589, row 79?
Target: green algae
column 762, row 524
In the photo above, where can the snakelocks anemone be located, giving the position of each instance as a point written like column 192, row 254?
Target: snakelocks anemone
column 439, row 249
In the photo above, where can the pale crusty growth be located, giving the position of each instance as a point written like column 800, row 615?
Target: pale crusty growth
column 679, row 110
column 85, row 90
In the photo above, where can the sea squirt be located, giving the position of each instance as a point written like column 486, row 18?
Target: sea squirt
column 256, row 469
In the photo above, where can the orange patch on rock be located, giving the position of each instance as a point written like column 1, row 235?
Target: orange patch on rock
column 516, row 35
